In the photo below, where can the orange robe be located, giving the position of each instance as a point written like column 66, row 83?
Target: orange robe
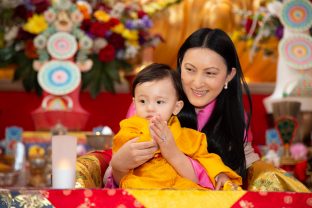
column 157, row 172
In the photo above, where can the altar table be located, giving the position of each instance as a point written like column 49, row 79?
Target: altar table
column 122, row 198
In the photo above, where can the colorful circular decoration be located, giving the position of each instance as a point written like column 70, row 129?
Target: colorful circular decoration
column 62, row 45
column 296, row 15
column 59, row 77
column 297, row 51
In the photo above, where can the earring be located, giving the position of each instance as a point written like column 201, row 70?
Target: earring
column 226, row 86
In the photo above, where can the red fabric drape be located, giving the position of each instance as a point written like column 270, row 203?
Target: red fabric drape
column 107, row 109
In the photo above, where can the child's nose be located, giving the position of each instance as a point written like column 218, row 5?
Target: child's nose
column 150, row 107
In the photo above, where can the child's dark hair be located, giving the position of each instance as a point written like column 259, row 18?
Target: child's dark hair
column 154, row 72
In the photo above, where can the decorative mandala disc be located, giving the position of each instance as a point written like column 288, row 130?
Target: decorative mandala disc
column 59, row 77
column 62, row 45
column 297, row 51
column 296, row 15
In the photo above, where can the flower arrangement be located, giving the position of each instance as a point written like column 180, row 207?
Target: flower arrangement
column 118, row 30
column 261, row 27
column 16, row 43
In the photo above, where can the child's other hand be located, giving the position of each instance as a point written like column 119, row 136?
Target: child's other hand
column 164, row 138
column 221, row 179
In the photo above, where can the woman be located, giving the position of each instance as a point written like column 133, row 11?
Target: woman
column 212, row 81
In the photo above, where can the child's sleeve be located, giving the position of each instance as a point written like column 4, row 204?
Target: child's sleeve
column 213, row 164
column 202, row 176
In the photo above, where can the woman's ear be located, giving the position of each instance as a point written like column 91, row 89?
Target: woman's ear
column 178, row 107
column 230, row 76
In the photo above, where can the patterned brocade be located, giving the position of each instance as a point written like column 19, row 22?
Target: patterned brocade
column 265, row 177
column 262, row 176
column 86, row 165
column 24, row 198
column 90, row 169
column 83, row 198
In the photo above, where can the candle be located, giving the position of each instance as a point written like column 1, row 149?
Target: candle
column 63, row 177
column 63, row 161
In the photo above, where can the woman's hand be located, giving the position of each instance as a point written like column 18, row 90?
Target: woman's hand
column 221, row 179
column 131, row 155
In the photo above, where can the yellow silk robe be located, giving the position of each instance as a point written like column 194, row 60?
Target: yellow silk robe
column 157, row 172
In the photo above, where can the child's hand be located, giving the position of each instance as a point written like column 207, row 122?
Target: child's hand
column 221, row 179
column 164, row 138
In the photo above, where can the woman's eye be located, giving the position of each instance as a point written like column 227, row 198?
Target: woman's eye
column 210, row 73
column 189, row 69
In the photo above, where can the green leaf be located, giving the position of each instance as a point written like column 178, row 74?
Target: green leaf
column 25, row 72
column 107, row 81
column 125, row 66
column 6, row 56
column 95, row 84
column 112, row 72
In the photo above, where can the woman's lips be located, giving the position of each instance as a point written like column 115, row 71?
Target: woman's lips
column 199, row 93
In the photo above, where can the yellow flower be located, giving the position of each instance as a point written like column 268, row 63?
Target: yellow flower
column 101, row 16
column 119, row 29
column 130, row 34
column 36, row 24
column 134, row 15
column 133, row 43
column 235, row 36
column 249, row 43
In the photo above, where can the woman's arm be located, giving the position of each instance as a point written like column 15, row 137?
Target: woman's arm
column 131, row 155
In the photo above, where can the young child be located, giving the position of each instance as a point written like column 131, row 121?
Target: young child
column 157, row 94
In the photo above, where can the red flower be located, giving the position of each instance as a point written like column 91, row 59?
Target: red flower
column 116, row 40
column 30, row 50
column 113, row 22
column 248, row 25
column 40, row 5
column 107, row 53
column 85, row 25
column 99, row 28
column 141, row 14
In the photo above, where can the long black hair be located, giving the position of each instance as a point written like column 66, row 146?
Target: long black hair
column 227, row 127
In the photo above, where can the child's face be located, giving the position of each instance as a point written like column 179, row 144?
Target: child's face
column 156, row 98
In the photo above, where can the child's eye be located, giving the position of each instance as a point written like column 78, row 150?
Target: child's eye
column 160, row 102
column 142, row 101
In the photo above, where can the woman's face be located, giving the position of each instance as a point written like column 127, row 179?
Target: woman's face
column 203, row 74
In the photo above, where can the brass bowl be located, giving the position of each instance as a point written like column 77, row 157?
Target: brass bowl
column 100, row 142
